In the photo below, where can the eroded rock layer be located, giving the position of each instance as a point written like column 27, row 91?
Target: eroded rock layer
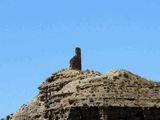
column 89, row 95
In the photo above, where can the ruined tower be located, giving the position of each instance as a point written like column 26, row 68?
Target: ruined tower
column 75, row 62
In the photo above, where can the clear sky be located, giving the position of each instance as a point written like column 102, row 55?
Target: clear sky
column 38, row 37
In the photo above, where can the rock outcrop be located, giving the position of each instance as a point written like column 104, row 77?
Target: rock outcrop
column 89, row 95
column 75, row 62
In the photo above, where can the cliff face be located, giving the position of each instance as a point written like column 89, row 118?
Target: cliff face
column 89, row 95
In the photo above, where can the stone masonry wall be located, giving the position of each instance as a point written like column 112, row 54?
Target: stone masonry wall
column 110, row 113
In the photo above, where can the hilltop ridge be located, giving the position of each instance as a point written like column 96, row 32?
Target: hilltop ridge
column 69, row 88
column 74, row 94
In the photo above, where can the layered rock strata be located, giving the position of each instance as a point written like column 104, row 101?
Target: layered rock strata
column 89, row 95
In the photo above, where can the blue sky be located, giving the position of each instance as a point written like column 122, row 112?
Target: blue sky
column 38, row 37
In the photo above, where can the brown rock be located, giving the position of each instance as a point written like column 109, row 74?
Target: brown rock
column 75, row 62
column 88, row 95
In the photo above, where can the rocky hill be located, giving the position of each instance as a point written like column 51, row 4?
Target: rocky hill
column 73, row 94
column 70, row 94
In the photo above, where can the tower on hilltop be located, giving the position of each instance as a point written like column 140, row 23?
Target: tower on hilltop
column 75, row 62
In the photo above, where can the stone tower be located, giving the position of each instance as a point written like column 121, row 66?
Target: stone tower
column 75, row 62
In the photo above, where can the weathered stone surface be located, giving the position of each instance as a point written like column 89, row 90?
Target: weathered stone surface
column 75, row 62
column 88, row 95
column 114, row 113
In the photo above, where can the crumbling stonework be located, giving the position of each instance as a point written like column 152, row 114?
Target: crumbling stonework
column 88, row 95
column 114, row 113
column 75, row 62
